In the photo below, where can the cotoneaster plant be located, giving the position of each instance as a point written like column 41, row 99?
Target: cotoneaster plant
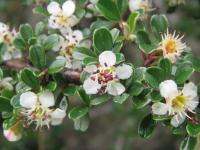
column 42, row 66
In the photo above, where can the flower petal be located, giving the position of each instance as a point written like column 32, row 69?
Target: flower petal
column 134, row 5
column 168, row 89
column 177, row 120
column 90, row 86
column 192, row 103
column 68, row 8
column 54, row 8
column 124, row 71
column 57, row 116
column 115, row 88
column 11, row 136
column 159, row 108
column 28, row 99
column 3, row 28
column 47, row 99
column 90, row 68
column 53, row 22
column 107, row 58
column 78, row 35
column 190, row 90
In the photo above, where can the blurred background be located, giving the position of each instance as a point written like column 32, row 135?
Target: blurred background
column 112, row 126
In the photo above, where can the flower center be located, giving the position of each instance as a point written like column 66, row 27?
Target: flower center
column 179, row 102
column 170, row 46
column 67, row 51
column 106, row 74
column 62, row 19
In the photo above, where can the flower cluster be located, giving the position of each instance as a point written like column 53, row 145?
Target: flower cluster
column 7, row 37
column 65, row 56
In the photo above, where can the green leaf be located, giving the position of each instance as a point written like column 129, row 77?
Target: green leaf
column 85, row 97
column 39, row 27
column 122, row 6
column 77, row 112
column 80, row 13
column 121, row 98
column 147, row 127
column 39, row 10
column 145, row 44
column 132, row 21
column 194, row 60
column 15, row 101
column 100, row 23
column 8, row 123
column 19, row 43
column 82, row 124
column 189, row 143
column 89, row 61
column 183, row 72
column 135, row 89
column 139, row 74
column 37, row 56
column 159, row 24
column 166, row 66
column 52, row 86
column 80, row 53
column 142, row 100
column 70, row 91
column 154, row 76
column 30, row 79
column 115, row 34
column 1, row 74
column 155, row 96
column 102, row 39
column 119, row 58
column 57, row 66
column 26, row 31
column 108, row 9
column 51, row 41
column 193, row 129
column 5, row 104
column 99, row 99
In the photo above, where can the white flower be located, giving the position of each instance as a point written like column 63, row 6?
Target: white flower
column 14, row 133
column 7, row 37
column 37, row 109
column 172, row 46
column 62, row 17
column 5, row 83
column 66, row 45
column 105, row 77
column 135, row 5
column 178, row 103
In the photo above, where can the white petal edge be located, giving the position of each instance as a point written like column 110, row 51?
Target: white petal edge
column 90, row 86
column 168, row 89
column 46, row 99
column 11, row 136
column 54, row 8
column 90, row 68
column 177, row 120
column 159, row 108
column 115, row 88
column 107, row 58
column 190, row 90
column 68, row 8
column 124, row 71
column 134, row 5
column 28, row 99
